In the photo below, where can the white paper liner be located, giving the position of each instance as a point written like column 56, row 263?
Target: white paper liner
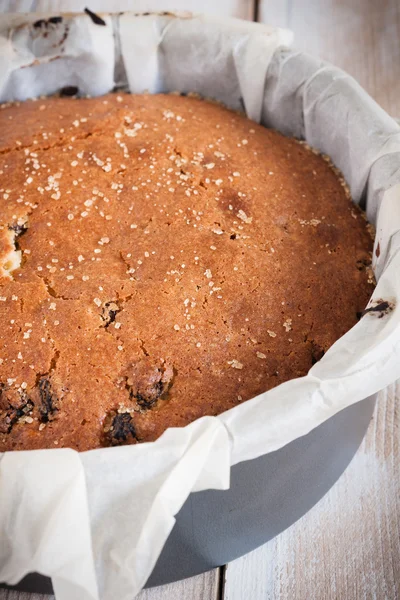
column 96, row 522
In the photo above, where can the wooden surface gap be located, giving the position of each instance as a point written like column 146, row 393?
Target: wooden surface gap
column 221, row 582
column 256, row 10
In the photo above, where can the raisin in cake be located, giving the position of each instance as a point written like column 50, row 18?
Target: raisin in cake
column 161, row 259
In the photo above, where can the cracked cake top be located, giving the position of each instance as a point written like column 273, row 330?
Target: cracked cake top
column 161, row 258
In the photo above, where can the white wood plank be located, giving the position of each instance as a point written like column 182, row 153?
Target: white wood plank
column 11, row 595
column 360, row 36
column 236, row 8
column 348, row 546
column 274, row 13
column 201, row 587
column 16, row 5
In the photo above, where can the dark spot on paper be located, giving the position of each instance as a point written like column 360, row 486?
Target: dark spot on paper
column 380, row 309
column 64, row 37
column 45, row 23
column 378, row 250
column 69, row 90
column 95, row 18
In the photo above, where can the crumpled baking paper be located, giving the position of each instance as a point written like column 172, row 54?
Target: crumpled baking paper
column 96, row 521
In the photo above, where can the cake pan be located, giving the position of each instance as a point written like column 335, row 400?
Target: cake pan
column 266, row 495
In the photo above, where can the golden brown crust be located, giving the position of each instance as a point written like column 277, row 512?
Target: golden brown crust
column 176, row 260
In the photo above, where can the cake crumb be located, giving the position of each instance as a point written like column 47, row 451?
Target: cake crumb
column 287, row 325
column 235, row 364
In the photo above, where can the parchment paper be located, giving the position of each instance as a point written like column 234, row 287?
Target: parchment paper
column 96, row 522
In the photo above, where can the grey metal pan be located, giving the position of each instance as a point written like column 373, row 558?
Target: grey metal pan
column 266, row 496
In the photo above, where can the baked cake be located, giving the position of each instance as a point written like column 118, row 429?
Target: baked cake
column 161, row 258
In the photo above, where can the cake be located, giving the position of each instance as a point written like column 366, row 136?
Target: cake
column 161, row 258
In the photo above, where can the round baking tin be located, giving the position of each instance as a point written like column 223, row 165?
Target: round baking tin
column 267, row 495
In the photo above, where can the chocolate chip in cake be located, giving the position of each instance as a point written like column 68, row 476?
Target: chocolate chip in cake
column 147, row 382
column 317, row 352
column 119, row 428
column 48, row 399
column 110, row 311
column 14, row 406
column 19, row 230
column 363, row 263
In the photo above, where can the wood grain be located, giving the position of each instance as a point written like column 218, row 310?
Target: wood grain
column 11, row 595
column 360, row 36
column 201, row 587
column 348, row 546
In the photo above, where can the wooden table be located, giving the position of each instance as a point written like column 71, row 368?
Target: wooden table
column 348, row 546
